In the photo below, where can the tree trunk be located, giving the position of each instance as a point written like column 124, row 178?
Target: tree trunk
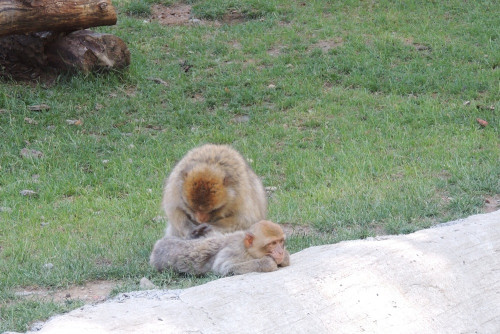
column 25, row 16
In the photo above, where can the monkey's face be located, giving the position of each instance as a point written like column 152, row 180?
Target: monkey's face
column 276, row 249
column 266, row 239
column 205, row 196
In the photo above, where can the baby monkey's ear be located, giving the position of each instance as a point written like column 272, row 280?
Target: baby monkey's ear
column 248, row 240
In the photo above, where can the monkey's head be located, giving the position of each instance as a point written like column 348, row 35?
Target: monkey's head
column 207, row 193
column 266, row 238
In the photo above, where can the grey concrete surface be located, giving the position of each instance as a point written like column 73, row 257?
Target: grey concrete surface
column 439, row 280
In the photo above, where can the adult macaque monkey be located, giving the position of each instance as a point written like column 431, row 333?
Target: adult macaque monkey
column 259, row 249
column 212, row 184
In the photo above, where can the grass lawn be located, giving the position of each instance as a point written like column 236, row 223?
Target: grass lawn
column 361, row 116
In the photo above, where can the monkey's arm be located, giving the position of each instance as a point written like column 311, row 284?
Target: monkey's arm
column 179, row 224
column 286, row 260
column 200, row 231
column 265, row 264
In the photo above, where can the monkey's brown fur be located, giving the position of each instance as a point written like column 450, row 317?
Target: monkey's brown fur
column 260, row 249
column 212, row 184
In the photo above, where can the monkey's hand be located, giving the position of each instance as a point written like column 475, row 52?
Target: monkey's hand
column 200, row 231
column 267, row 264
column 286, row 260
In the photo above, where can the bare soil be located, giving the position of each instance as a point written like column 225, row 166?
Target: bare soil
column 328, row 45
column 491, row 203
column 177, row 14
column 298, row 230
column 90, row 292
column 180, row 14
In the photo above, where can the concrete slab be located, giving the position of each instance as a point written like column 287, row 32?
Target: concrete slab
column 439, row 280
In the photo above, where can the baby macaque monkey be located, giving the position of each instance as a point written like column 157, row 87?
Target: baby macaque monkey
column 259, row 249
column 212, row 184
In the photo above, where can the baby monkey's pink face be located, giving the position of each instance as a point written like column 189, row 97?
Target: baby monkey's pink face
column 266, row 238
column 276, row 249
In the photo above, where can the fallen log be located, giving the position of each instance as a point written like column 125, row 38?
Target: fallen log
column 27, row 16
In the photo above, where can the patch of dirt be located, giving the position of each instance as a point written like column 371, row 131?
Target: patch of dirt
column 328, row 45
column 197, row 97
column 233, row 17
column 491, row 203
column 236, row 45
column 178, row 14
column 276, row 50
column 417, row 46
column 298, row 230
column 91, row 292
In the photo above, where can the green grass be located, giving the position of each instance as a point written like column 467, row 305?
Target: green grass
column 368, row 135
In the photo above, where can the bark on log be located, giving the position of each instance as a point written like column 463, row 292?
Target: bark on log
column 25, row 16
column 23, row 57
column 87, row 51
column 27, row 57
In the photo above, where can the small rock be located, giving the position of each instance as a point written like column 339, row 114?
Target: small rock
column 159, row 81
column 271, row 86
column 48, row 266
column 37, row 326
column 241, row 119
column 28, row 193
column 146, row 284
column 39, row 107
column 77, row 122
column 30, row 121
column 482, row 122
column 466, row 103
column 491, row 108
column 28, row 153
